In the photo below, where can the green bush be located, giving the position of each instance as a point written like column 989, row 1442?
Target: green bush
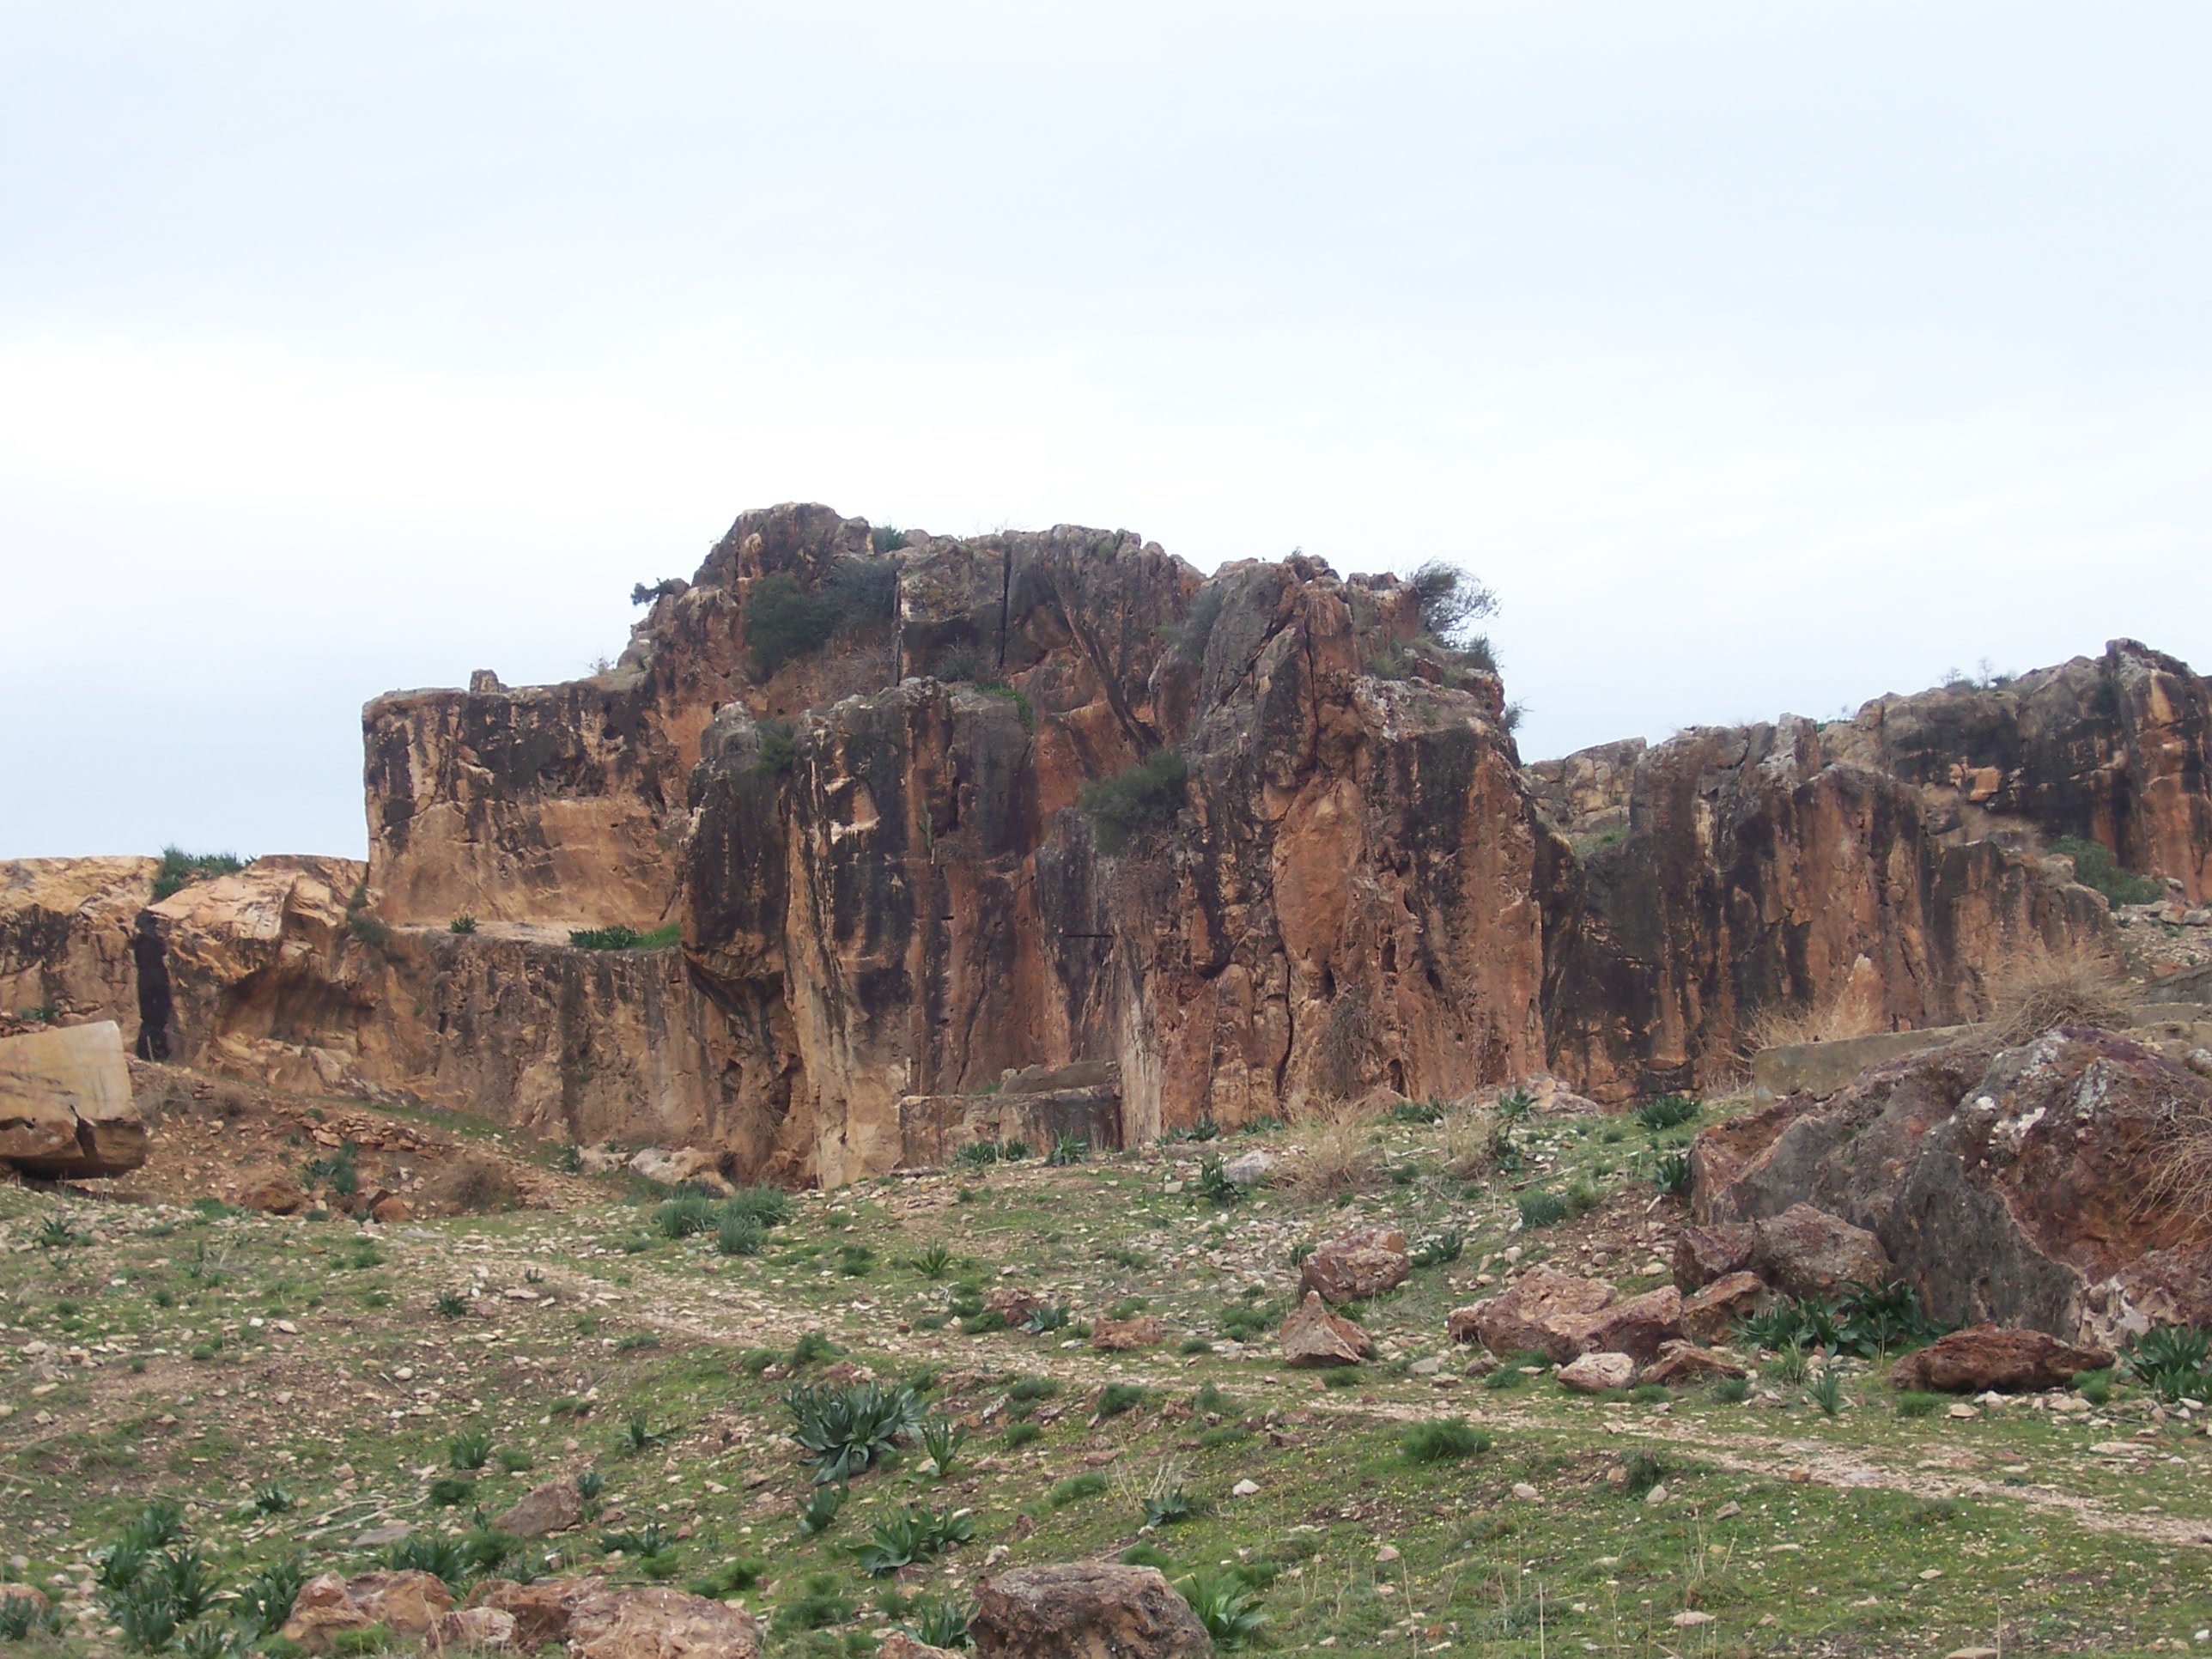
column 1442, row 1439
column 913, row 1535
column 1671, row 1174
column 470, row 1450
column 1138, row 799
column 1075, row 1489
column 682, row 1218
column 1916, row 1403
column 179, row 869
column 738, row 1233
column 2096, row 1387
column 462, row 924
column 783, row 621
column 1223, row 1603
column 1067, row 1150
column 2095, row 867
column 1118, row 1397
column 1542, row 1209
column 618, row 938
column 769, row 1206
column 2173, row 1360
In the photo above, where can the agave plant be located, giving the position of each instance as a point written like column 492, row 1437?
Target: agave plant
column 841, row 1431
column 1224, row 1605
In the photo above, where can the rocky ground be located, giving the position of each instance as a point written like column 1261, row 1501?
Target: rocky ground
column 299, row 1384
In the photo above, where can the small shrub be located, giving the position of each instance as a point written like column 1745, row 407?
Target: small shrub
column 783, row 621
column 1139, row 798
column 638, row 1435
column 448, row 1490
column 462, row 924
column 1671, row 1174
column 1438, row 1249
column 1076, row 1488
column 682, row 1218
column 1666, row 1112
column 1215, row 1186
column 1443, row 1439
column 737, row 1233
column 2096, row 1387
column 1171, row 1508
column 179, row 869
column 1645, row 1470
column 976, row 1154
column 819, row 1603
column 1732, row 1390
column 912, row 1535
column 1223, row 1605
column 2095, row 867
column 819, row 1512
column 2173, row 1360
column 942, row 1439
column 339, row 1171
column 266, row 1598
column 1014, row 1150
column 452, row 1305
column 769, row 1206
column 1018, row 1434
column 942, row 1624
column 1542, row 1209
column 1827, row 1391
column 1916, row 1403
column 470, row 1450
column 855, row 1260
column 934, row 1261
column 811, row 1349
column 1067, row 1150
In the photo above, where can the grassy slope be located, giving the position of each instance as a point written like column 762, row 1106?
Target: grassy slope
column 1864, row 1534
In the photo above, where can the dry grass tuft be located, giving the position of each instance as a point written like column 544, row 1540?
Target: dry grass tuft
column 1787, row 1028
column 1340, row 1150
column 2081, row 986
column 1470, row 1142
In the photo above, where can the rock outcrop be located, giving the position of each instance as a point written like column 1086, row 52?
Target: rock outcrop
column 1982, row 1358
column 65, row 932
column 1866, row 875
column 2043, row 1186
column 65, row 1104
column 1083, row 1610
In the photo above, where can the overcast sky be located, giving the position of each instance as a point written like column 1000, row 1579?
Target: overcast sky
column 1762, row 357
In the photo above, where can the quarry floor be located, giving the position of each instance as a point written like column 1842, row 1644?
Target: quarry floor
column 163, row 1350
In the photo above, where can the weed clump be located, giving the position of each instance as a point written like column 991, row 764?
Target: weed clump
column 1442, row 1440
column 1138, row 799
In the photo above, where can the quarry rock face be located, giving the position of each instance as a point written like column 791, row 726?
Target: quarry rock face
column 932, row 814
column 66, row 1105
column 1760, row 876
column 896, row 899
column 65, row 928
column 2040, row 1186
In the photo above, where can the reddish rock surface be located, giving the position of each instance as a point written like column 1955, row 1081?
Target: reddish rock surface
column 2029, row 1187
column 553, row 1507
column 1082, row 1612
column 1686, row 1362
column 1711, row 1313
column 540, row 1610
column 1807, row 1252
column 1705, row 1254
column 1314, row 1337
column 1982, row 1358
column 659, row 1623
column 1128, row 1336
column 1598, row 1373
column 1528, row 1316
column 1362, row 1264
column 1638, row 1327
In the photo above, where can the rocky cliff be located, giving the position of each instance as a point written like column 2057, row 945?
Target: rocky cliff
column 930, row 812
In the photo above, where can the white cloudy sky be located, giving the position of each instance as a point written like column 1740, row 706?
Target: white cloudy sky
column 1762, row 357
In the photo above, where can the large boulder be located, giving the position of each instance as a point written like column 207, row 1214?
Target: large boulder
column 1983, row 1357
column 407, row 1603
column 1637, row 1327
column 66, row 1105
column 1535, row 1313
column 1314, row 1337
column 1710, row 1314
column 2031, row 1186
column 659, row 1623
column 540, row 1610
column 1597, row 1372
column 1087, row 1610
column 319, row 1611
column 1807, row 1252
column 553, row 1507
column 1686, row 1362
column 1357, row 1266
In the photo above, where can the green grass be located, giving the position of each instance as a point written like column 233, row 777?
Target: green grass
column 1384, row 1457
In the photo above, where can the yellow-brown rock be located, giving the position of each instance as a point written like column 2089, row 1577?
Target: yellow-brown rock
column 66, row 1105
column 65, row 933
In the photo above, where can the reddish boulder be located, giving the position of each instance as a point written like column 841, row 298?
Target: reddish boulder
column 1085, row 1611
column 1703, row 1255
column 320, row 1610
column 1012, row 1304
column 540, row 1610
column 1598, row 1373
column 1712, row 1313
column 1519, row 1319
column 276, row 1196
column 1313, row 1336
column 1128, row 1336
column 1808, row 1252
column 659, row 1623
column 553, row 1507
column 1686, row 1362
column 1362, row 1264
column 1982, row 1358
column 406, row 1603
column 1636, row 1327
column 485, row 1628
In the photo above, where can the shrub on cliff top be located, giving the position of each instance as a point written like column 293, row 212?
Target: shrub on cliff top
column 1145, row 796
column 179, row 869
column 783, row 620
column 2095, row 867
